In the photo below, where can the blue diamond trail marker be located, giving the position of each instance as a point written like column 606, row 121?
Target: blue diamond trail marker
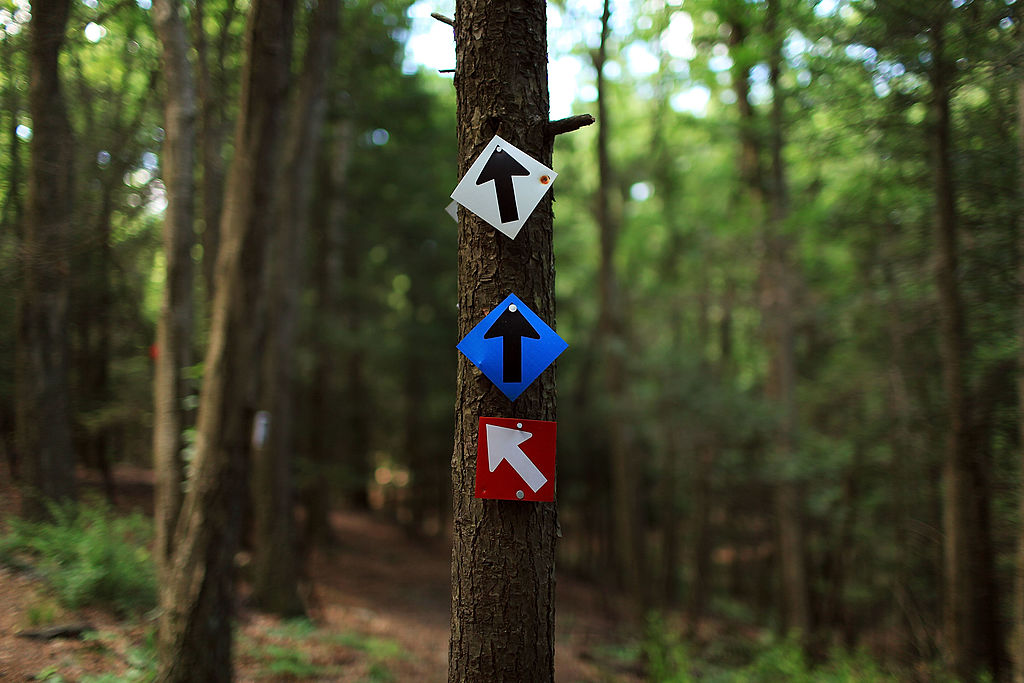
column 512, row 346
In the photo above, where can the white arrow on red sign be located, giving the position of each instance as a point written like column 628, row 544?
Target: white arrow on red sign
column 516, row 459
column 503, row 444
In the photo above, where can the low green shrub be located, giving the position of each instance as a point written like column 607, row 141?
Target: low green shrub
column 88, row 555
column 668, row 659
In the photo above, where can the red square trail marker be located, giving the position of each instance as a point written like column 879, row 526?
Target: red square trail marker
column 515, row 459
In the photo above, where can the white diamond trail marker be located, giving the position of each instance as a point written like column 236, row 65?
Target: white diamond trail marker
column 504, row 186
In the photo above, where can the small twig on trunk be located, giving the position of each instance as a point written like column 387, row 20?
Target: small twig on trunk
column 443, row 19
column 569, row 124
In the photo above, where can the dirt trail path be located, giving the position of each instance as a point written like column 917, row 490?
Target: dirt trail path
column 379, row 602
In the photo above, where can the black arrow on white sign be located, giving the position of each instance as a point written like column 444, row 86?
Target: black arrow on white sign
column 500, row 168
column 511, row 326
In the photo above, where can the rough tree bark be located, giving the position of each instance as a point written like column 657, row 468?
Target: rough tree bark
column 275, row 558
column 43, row 423
column 197, row 599
column 174, row 328
column 502, row 619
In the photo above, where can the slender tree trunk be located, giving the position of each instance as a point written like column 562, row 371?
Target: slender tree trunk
column 275, row 560
column 357, row 398
column 610, row 332
column 1017, row 642
column 770, row 206
column 699, row 555
column 904, row 475
column 11, row 211
column 174, row 328
column 778, row 308
column 421, row 461
column 677, row 448
column 43, row 422
column 503, row 611
column 91, row 302
column 326, row 441
column 11, row 225
column 197, row 603
column 749, row 158
column 958, row 609
column 968, row 612
column 212, row 129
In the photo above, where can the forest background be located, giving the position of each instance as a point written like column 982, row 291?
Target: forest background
column 788, row 267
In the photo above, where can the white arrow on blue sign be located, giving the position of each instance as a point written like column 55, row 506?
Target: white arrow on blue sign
column 512, row 346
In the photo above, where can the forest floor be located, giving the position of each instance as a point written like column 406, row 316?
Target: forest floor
column 379, row 606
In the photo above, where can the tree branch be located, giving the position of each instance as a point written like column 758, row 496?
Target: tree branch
column 569, row 124
column 443, row 19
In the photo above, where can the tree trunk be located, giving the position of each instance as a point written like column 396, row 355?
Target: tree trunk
column 610, row 332
column 174, row 328
column 43, row 420
column 770, row 207
column 1017, row 643
column 11, row 211
column 11, row 226
column 212, row 130
column 778, row 309
column 906, row 467
column 966, row 617
column 502, row 618
column 700, row 538
column 275, row 560
column 91, row 304
column 357, row 394
column 197, row 599
column 327, row 272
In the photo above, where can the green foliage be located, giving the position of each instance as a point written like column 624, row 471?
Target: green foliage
column 281, row 660
column 376, row 648
column 88, row 555
column 300, row 627
column 140, row 659
column 286, row 650
column 42, row 612
column 50, row 673
column 667, row 658
column 785, row 660
column 378, row 673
